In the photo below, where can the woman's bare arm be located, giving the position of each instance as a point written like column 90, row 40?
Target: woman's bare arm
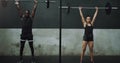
column 81, row 14
column 94, row 17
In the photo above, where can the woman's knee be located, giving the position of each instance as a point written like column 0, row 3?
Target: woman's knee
column 83, row 47
column 91, row 48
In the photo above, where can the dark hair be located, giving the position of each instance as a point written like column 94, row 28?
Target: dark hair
column 88, row 16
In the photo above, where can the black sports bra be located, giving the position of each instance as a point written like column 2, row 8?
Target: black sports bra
column 88, row 29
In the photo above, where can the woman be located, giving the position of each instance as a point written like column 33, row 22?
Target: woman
column 88, row 34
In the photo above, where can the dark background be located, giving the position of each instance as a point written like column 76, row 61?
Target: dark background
column 49, row 18
column 73, row 20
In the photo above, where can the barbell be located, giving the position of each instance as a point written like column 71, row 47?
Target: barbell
column 107, row 8
column 4, row 2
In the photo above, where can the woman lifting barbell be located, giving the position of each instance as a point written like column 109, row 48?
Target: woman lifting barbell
column 88, row 34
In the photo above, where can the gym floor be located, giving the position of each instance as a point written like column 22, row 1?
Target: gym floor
column 65, row 59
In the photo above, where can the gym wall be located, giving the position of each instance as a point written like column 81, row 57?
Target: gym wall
column 46, row 29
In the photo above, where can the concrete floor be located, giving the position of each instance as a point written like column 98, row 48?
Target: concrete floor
column 86, row 59
column 65, row 59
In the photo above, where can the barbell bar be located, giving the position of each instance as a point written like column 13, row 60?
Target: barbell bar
column 65, row 7
column 108, row 8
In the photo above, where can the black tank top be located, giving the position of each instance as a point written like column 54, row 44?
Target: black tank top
column 88, row 30
column 27, row 25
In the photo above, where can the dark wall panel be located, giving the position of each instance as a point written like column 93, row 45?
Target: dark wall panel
column 73, row 20
column 49, row 18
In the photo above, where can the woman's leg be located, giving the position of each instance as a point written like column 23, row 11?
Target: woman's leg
column 91, row 45
column 84, row 44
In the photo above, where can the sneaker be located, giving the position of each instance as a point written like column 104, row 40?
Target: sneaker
column 81, row 62
column 91, row 61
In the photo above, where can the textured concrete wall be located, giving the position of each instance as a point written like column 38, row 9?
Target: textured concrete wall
column 46, row 42
column 106, row 41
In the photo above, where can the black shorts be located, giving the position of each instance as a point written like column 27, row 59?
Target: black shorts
column 88, row 37
column 26, row 37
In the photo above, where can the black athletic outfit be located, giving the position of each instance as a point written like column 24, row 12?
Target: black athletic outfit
column 27, row 28
column 26, row 35
column 88, row 34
